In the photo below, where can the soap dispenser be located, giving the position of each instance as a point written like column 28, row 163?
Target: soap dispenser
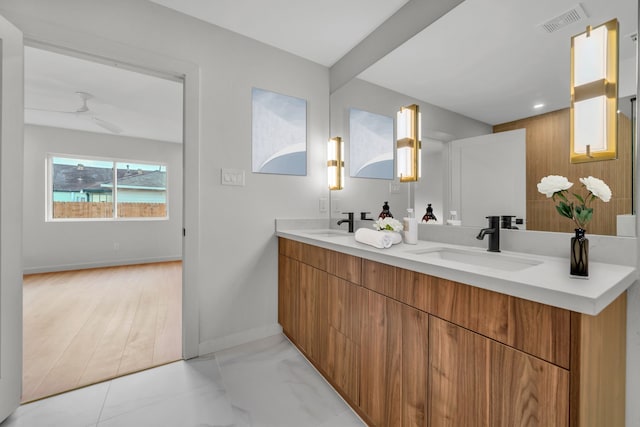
column 410, row 228
column 429, row 215
column 386, row 213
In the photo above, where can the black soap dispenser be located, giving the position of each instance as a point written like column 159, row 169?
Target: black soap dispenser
column 429, row 215
column 386, row 213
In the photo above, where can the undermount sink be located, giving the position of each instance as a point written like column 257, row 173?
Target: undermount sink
column 327, row 233
column 481, row 259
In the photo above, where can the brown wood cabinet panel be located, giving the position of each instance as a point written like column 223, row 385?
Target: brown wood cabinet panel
column 526, row 391
column 598, row 363
column 379, row 277
column 415, row 358
column 380, row 360
column 288, row 279
column 345, row 306
column 342, row 364
column 290, row 248
column 314, row 256
column 414, row 289
column 540, row 330
column 345, row 266
column 312, row 316
column 458, row 376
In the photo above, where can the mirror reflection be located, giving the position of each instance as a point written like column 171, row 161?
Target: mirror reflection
column 472, row 80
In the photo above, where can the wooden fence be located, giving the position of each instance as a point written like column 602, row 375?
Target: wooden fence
column 105, row 210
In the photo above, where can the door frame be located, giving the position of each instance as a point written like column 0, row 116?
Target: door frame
column 11, row 160
column 114, row 53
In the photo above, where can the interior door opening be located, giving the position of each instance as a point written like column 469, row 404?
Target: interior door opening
column 103, row 220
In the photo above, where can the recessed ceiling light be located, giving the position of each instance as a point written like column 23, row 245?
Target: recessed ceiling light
column 538, row 106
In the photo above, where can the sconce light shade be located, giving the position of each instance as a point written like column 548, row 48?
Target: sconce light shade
column 594, row 93
column 335, row 163
column 409, row 143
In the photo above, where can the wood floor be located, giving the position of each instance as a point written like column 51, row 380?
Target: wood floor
column 87, row 326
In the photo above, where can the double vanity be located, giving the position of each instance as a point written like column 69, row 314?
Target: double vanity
column 436, row 334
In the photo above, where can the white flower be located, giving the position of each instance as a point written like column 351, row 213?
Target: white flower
column 388, row 223
column 597, row 187
column 552, row 184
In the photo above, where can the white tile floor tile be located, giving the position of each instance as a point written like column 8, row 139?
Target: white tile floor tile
column 266, row 383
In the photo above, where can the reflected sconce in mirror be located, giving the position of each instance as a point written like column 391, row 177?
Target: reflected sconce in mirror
column 335, row 163
column 594, row 94
column 408, row 143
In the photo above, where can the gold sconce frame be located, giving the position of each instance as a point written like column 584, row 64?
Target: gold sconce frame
column 335, row 163
column 408, row 143
column 594, row 102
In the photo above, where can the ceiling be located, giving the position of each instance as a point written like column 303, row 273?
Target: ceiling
column 120, row 102
column 486, row 59
column 321, row 31
column 491, row 61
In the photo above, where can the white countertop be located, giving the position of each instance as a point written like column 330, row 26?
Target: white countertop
column 547, row 282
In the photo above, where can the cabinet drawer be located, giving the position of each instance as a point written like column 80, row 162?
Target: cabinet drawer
column 348, row 267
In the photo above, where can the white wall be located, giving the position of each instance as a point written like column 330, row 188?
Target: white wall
column 236, row 248
column 52, row 246
column 482, row 182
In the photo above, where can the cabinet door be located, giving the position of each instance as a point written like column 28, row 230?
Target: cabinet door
column 458, row 376
column 526, row 391
column 381, row 360
column 288, row 282
column 312, row 315
column 415, row 345
column 475, row 381
column 343, row 350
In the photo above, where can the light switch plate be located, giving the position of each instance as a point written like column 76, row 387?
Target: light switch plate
column 322, row 205
column 232, row 177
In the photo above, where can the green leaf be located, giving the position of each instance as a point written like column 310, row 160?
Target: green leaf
column 580, row 199
column 584, row 215
column 561, row 195
column 565, row 210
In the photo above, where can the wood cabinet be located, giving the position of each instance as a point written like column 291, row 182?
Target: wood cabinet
column 288, row 279
column 412, row 350
column 345, row 301
column 477, row 382
column 312, row 312
column 381, row 360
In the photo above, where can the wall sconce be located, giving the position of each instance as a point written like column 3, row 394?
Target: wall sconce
column 594, row 93
column 409, row 125
column 335, row 163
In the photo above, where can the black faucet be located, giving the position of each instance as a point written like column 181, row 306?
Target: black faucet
column 350, row 221
column 363, row 216
column 507, row 222
column 494, row 233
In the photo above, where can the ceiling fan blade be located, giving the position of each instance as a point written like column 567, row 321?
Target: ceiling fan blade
column 111, row 127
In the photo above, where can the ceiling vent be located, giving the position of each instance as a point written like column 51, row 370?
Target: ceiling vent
column 575, row 14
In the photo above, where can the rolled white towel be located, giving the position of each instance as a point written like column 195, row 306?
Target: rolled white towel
column 377, row 239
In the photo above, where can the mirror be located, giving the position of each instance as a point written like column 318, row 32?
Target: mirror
column 480, row 79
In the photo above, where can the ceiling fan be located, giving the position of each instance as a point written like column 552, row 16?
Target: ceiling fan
column 85, row 112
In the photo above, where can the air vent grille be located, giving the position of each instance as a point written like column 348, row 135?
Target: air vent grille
column 577, row 13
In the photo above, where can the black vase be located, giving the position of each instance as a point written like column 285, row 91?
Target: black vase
column 580, row 254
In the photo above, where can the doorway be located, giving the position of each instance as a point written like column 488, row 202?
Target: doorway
column 98, row 112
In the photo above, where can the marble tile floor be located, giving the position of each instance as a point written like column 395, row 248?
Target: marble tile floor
column 266, row 383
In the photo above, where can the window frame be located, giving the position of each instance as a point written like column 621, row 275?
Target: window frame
column 49, row 168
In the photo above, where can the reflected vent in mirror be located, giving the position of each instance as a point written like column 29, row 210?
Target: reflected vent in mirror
column 577, row 13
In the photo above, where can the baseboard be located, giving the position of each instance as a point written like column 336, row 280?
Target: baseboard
column 97, row 264
column 239, row 338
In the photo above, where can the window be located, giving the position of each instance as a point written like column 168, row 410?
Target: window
column 83, row 188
